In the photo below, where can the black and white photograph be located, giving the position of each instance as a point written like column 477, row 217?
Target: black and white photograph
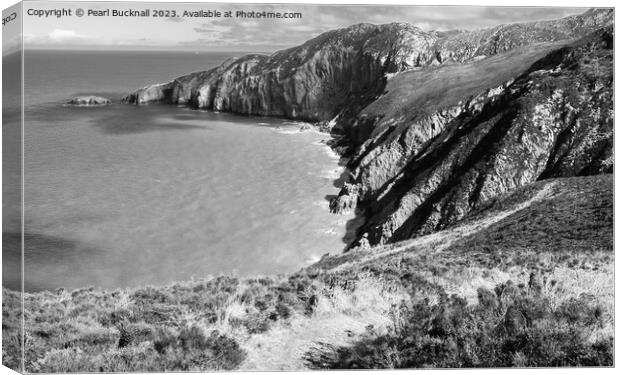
column 208, row 186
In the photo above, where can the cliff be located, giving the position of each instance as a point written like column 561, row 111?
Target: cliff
column 313, row 81
column 433, row 124
column 422, row 170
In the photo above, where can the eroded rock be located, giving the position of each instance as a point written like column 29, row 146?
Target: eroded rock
column 89, row 100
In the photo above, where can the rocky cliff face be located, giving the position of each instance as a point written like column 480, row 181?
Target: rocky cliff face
column 554, row 120
column 433, row 123
column 313, row 81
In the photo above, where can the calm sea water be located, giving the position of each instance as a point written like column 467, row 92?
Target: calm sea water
column 123, row 195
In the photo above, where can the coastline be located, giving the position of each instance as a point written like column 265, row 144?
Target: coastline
column 475, row 187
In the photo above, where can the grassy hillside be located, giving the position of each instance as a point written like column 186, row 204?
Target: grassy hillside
column 525, row 281
column 416, row 93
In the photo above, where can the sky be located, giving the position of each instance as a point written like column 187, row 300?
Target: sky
column 245, row 34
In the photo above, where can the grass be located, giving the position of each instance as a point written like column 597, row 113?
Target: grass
column 205, row 325
column 413, row 94
column 512, row 325
column 556, row 232
column 573, row 227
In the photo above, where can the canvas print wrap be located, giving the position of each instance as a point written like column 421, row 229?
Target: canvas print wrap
column 226, row 187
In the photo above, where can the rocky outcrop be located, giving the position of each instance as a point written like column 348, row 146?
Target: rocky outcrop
column 346, row 201
column 89, row 101
column 159, row 92
column 432, row 124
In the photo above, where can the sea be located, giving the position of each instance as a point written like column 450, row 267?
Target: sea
column 126, row 196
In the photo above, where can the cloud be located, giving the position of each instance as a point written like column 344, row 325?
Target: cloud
column 263, row 33
column 57, row 37
column 62, row 36
column 206, row 30
column 267, row 34
column 318, row 19
column 505, row 14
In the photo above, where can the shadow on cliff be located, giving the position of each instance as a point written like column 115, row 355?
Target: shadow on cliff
column 352, row 225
